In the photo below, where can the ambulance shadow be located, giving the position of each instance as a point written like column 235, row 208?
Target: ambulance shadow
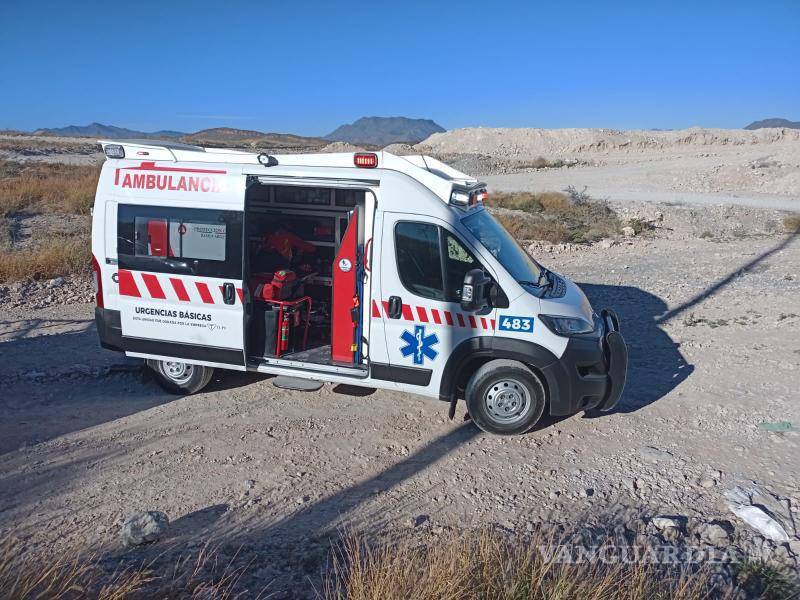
column 655, row 363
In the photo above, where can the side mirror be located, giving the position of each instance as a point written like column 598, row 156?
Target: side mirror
column 473, row 292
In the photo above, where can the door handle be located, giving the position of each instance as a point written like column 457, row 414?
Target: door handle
column 228, row 293
column 395, row 307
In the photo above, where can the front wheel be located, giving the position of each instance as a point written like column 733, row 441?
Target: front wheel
column 179, row 377
column 504, row 397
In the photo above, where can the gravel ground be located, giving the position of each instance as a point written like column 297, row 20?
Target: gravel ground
column 713, row 327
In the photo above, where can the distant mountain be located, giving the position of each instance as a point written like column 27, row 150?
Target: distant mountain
column 98, row 130
column 247, row 137
column 382, row 131
column 774, row 123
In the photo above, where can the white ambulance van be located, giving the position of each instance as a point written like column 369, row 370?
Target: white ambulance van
column 361, row 268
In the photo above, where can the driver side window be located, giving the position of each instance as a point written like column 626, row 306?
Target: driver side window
column 431, row 261
column 419, row 262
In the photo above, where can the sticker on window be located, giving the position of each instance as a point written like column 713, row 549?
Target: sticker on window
column 520, row 324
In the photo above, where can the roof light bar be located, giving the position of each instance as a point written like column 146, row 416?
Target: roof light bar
column 114, row 151
column 365, row 160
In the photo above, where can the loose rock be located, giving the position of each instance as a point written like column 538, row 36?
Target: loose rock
column 144, row 528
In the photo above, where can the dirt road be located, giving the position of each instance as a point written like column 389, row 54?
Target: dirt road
column 713, row 327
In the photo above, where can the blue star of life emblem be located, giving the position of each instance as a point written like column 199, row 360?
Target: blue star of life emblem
column 419, row 345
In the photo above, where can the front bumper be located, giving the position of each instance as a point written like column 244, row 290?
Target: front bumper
column 591, row 373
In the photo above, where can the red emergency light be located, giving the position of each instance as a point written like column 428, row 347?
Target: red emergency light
column 365, row 160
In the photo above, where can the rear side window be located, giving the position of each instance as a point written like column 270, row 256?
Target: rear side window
column 172, row 240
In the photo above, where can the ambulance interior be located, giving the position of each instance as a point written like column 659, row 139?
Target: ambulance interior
column 304, row 248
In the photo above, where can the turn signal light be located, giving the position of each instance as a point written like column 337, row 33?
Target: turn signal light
column 365, row 160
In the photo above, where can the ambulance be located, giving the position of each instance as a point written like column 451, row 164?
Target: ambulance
column 364, row 268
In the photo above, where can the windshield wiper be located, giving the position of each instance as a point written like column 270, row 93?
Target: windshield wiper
column 542, row 282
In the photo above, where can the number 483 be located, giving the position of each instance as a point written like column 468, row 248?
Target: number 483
column 509, row 323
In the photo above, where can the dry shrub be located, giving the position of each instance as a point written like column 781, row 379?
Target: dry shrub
column 46, row 187
column 66, row 576
column 554, row 217
column 488, row 565
column 71, row 576
column 792, row 223
column 54, row 257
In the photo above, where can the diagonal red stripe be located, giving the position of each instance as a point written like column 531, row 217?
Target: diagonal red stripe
column 436, row 318
column 127, row 284
column 492, row 322
column 180, row 289
column 448, row 317
column 376, row 312
column 483, row 322
column 407, row 315
column 240, row 293
column 153, row 286
column 472, row 322
column 205, row 293
column 423, row 315
column 460, row 320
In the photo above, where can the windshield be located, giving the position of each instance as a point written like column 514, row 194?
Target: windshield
column 503, row 247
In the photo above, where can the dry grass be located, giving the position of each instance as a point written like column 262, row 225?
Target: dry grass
column 70, row 576
column 65, row 577
column 56, row 257
column 46, row 187
column 792, row 223
column 554, row 217
column 486, row 565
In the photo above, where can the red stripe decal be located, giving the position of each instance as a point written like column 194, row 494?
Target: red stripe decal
column 127, row 284
column 407, row 314
column 448, row 317
column 385, row 307
column 151, row 166
column 472, row 322
column 153, row 287
column 492, row 322
column 460, row 320
column 376, row 312
column 436, row 318
column 240, row 293
column 180, row 289
column 423, row 315
column 483, row 322
column 205, row 294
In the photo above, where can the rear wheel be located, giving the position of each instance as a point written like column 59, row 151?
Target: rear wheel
column 504, row 397
column 179, row 377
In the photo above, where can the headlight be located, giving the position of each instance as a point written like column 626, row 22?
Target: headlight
column 566, row 325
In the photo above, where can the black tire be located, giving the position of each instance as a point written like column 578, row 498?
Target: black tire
column 495, row 395
column 180, row 378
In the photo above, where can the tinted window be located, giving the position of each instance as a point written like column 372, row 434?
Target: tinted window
column 175, row 240
column 419, row 261
column 302, row 195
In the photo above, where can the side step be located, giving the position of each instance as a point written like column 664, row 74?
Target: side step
column 296, row 383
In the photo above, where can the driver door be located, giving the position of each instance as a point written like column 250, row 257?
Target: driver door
column 423, row 263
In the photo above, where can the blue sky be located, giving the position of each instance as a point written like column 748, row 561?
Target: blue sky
column 307, row 67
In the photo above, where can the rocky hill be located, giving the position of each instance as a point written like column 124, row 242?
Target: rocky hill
column 765, row 123
column 98, row 130
column 227, row 136
column 381, row 131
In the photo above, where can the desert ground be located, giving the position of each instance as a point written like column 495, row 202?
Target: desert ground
column 708, row 294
